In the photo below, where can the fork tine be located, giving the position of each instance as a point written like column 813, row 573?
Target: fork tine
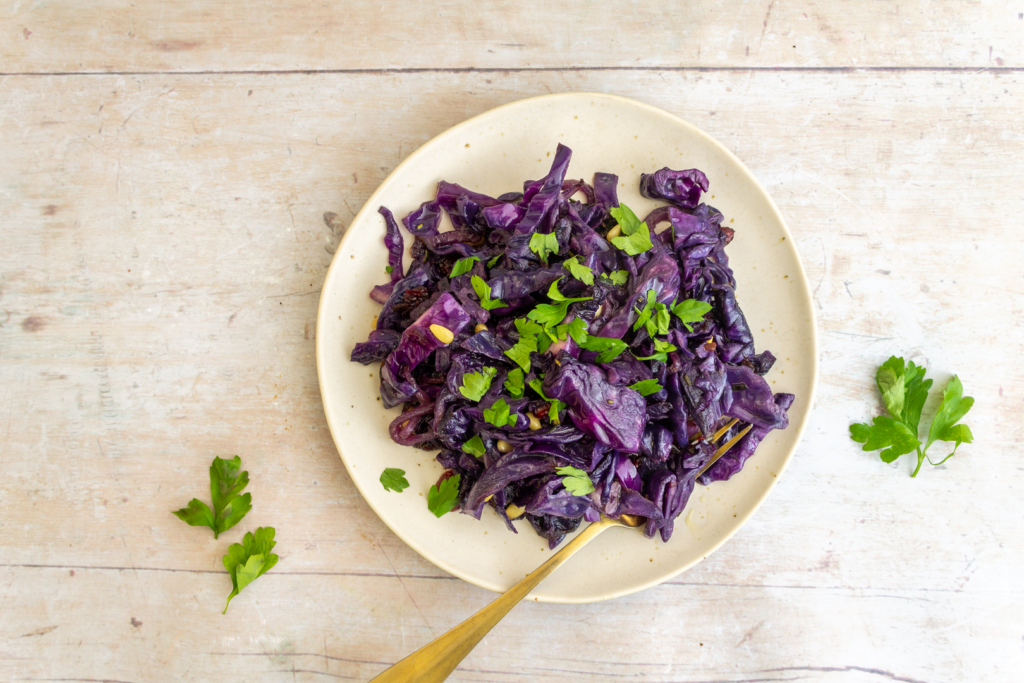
column 724, row 448
column 721, row 430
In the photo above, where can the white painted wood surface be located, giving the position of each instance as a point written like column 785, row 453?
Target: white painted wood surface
column 163, row 248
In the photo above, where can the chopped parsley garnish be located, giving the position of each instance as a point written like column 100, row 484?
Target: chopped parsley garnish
column 543, row 245
column 476, row 384
column 463, row 266
column 550, row 315
column 483, row 290
column 514, row 383
column 441, row 499
column 556, row 405
column 616, row 277
column 636, row 236
column 498, row 414
column 691, row 311
column 580, row 271
column 607, row 348
column 646, row 387
column 575, row 481
column 393, row 479
column 475, row 447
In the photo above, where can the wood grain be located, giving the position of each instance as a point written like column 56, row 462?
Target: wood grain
column 164, row 248
column 267, row 35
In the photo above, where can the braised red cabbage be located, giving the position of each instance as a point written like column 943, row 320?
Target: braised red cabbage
column 588, row 367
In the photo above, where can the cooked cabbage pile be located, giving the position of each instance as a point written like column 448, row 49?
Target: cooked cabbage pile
column 568, row 359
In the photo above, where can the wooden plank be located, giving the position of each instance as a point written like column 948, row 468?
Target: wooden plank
column 145, row 626
column 233, row 35
column 164, row 248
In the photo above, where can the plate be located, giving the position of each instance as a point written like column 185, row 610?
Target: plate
column 494, row 153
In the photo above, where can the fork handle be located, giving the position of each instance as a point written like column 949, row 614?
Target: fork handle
column 433, row 662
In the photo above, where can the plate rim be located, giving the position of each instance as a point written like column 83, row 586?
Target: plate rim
column 372, row 200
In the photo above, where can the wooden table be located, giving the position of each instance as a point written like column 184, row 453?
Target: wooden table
column 164, row 175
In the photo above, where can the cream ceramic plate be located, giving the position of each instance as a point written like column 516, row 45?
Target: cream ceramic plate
column 494, row 153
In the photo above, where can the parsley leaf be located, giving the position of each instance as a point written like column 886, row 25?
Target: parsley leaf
column 646, row 387
column 636, row 236
column 577, row 329
column 463, row 266
column 514, row 383
column 543, row 245
column 579, row 271
column 228, row 507
column 660, row 320
column 944, row 428
column 885, row 432
column 661, row 351
column 475, row 447
column 691, row 311
column 498, row 414
column 476, row 384
column 520, row 352
column 442, row 498
column 556, row 405
column 904, row 389
column 389, row 269
column 575, row 481
column 249, row 560
column 490, row 264
column 393, row 479
column 645, row 314
column 483, row 290
column 607, row 348
column 616, row 277
column 550, row 315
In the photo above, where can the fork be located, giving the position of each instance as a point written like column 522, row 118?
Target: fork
column 433, row 662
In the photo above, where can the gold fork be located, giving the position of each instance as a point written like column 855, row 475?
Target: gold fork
column 433, row 662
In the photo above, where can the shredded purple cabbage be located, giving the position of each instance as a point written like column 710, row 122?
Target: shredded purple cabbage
column 642, row 451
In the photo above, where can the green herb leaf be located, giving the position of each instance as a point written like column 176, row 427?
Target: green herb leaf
column 607, row 348
column 691, row 311
column 463, row 266
column 636, row 236
column 556, row 406
column 520, row 352
column 389, row 269
column 904, row 390
column 646, row 387
column 483, row 290
column 475, row 447
column 249, row 560
column 645, row 314
column 885, row 432
column 579, row 271
column 226, row 483
column 490, row 264
column 616, row 277
column 441, row 499
column 498, row 414
column 543, row 245
column 476, row 384
column 661, row 351
column 550, row 315
column 514, row 383
column 575, row 481
column 954, row 406
column 556, row 295
column 393, row 479
column 577, row 329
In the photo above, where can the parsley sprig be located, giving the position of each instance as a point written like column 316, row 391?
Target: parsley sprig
column 441, row 499
column 393, row 479
column 555, row 404
column 249, row 560
column 476, row 384
column 550, row 315
column 543, row 245
column 904, row 390
column 579, row 271
column 226, row 483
